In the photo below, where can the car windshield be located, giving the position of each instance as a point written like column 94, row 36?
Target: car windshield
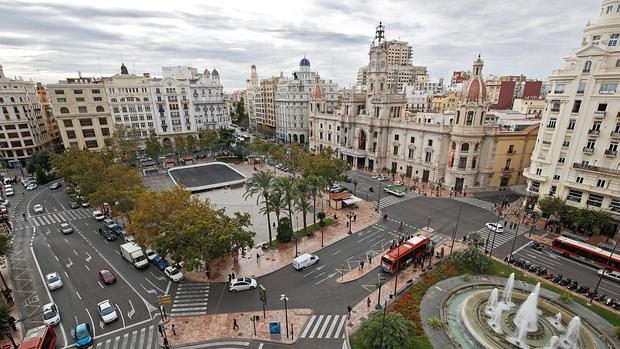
column 82, row 332
column 173, row 271
column 107, row 310
column 106, row 274
column 48, row 314
column 52, row 278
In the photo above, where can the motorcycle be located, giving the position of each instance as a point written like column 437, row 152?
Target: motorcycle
column 533, row 268
column 601, row 298
column 541, row 271
column 591, row 294
column 583, row 289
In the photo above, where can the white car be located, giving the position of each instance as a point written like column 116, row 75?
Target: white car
column 242, row 284
column 53, row 281
column 173, row 274
column 32, row 186
column 3, row 209
column 38, row 208
column 98, row 215
column 150, row 254
column 65, row 228
column 495, row 227
column 106, row 311
column 51, row 315
column 5, row 202
column 128, row 238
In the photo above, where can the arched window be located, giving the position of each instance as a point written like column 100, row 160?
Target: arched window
column 99, row 109
column 464, row 147
column 375, row 134
column 361, row 143
column 146, row 99
column 587, row 66
column 470, row 118
column 64, row 110
column 458, row 116
column 476, row 146
column 618, row 63
column 113, row 100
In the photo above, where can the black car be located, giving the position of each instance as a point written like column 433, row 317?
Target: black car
column 109, row 235
column 565, row 282
column 541, row 271
column 533, row 268
column 573, row 286
column 557, row 279
column 583, row 289
column 538, row 246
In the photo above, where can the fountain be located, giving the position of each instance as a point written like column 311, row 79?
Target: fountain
column 492, row 302
column 527, row 315
column 570, row 339
column 554, row 343
column 557, row 320
column 508, row 290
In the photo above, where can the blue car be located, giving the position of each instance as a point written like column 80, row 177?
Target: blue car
column 117, row 229
column 82, row 335
column 160, row 263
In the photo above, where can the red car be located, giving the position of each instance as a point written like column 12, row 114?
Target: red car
column 107, row 277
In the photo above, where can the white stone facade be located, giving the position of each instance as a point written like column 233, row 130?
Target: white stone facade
column 576, row 156
column 207, row 101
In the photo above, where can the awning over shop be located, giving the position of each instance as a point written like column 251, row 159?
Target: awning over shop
column 352, row 200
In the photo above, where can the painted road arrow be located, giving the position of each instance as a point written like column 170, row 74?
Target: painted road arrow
column 88, row 258
column 131, row 312
column 327, row 277
column 149, row 290
column 70, row 263
column 315, row 270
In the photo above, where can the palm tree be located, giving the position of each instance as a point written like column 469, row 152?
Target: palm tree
column 302, row 196
column 317, row 187
column 261, row 183
column 286, row 185
column 275, row 204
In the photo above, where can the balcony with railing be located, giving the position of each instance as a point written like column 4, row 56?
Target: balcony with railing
column 565, row 144
column 599, row 114
column 508, row 169
column 611, row 153
column 615, row 133
column 588, row 150
column 610, row 171
column 594, row 132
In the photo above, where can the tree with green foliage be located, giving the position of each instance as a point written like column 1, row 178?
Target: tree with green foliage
column 261, row 185
column 180, row 145
column 392, row 331
column 276, row 204
column 266, row 130
column 552, row 207
column 124, row 143
column 192, row 143
column 226, row 137
column 187, row 229
column 207, row 138
column 153, row 147
column 317, row 187
column 286, row 185
column 39, row 159
column 285, row 231
column 5, row 316
column 321, row 216
column 302, row 199
column 471, row 259
column 323, row 164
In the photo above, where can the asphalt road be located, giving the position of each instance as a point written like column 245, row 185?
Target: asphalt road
column 77, row 257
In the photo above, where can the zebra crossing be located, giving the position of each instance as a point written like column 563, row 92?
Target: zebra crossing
column 190, row 299
column 476, row 202
column 140, row 338
column 324, row 327
column 437, row 239
column 55, row 217
column 501, row 238
column 389, row 200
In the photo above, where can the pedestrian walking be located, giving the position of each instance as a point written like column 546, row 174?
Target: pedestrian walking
column 368, row 302
column 361, row 264
column 233, row 275
column 400, row 228
column 174, row 332
column 354, row 217
column 369, row 258
column 257, row 257
column 441, row 251
column 347, row 224
column 335, row 217
column 385, row 217
column 349, row 309
column 229, row 277
column 235, row 326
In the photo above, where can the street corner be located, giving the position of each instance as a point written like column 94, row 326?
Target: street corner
column 275, row 326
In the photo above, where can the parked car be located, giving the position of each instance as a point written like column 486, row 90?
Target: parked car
column 3, row 209
column 32, row 186
column 82, row 335
column 56, row 185
column 74, row 204
column 173, row 274
column 107, row 311
column 38, row 208
column 66, row 228
column 109, row 234
column 5, row 202
column 495, row 227
column 109, row 223
column 9, row 192
column 242, row 284
column 610, row 274
column 51, row 315
column 53, row 281
column 98, row 215
column 106, row 277
column 161, row 263
column 150, row 254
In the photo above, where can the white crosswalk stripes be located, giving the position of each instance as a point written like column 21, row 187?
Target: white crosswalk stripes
column 437, row 238
column 476, row 202
column 58, row 217
column 507, row 236
column 144, row 338
column 191, row 299
column 324, row 327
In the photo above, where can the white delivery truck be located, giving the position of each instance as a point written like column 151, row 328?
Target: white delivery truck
column 134, row 255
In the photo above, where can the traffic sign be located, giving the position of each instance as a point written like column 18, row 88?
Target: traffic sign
column 165, row 299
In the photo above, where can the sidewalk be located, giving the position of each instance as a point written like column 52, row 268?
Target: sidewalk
column 198, row 329
column 361, row 311
column 274, row 259
column 375, row 262
column 5, row 342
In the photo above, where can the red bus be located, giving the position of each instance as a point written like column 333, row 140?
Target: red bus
column 404, row 254
column 591, row 254
column 42, row 337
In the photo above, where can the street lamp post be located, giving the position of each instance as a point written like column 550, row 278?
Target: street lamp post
column 350, row 223
column 397, row 265
column 603, row 272
column 296, row 254
column 428, row 225
column 382, row 326
column 512, row 248
column 379, row 196
column 456, row 226
column 284, row 298
column 378, row 305
column 486, row 245
column 355, row 187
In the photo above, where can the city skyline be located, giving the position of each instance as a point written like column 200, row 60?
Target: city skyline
column 47, row 42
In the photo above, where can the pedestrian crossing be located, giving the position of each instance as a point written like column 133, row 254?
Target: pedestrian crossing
column 389, row 200
column 437, row 238
column 140, row 338
column 190, row 299
column 324, row 327
column 477, row 202
column 501, row 238
column 54, row 217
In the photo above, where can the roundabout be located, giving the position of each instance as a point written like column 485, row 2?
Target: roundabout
column 490, row 312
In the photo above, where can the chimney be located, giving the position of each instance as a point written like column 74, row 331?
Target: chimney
column 146, row 75
column 79, row 74
column 2, row 72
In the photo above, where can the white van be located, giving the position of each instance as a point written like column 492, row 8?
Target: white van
column 98, row 215
column 610, row 274
column 304, row 261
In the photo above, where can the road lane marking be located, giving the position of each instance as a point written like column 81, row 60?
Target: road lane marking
column 92, row 322
column 86, row 266
column 331, row 328
column 325, row 323
column 340, row 326
column 149, row 281
column 100, row 284
column 131, row 312
column 70, row 263
column 335, row 253
column 142, row 333
column 67, row 275
column 57, row 260
column 149, row 342
column 120, row 312
column 316, row 327
column 78, row 294
column 125, row 337
column 314, row 270
column 150, row 290
column 318, row 275
column 134, row 336
column 74, row 251
column 89, row 257
column 160, row 278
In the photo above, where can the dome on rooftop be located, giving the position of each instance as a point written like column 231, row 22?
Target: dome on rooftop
column 304, row 62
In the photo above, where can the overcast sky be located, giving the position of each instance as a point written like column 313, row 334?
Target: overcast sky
column 49, row 41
